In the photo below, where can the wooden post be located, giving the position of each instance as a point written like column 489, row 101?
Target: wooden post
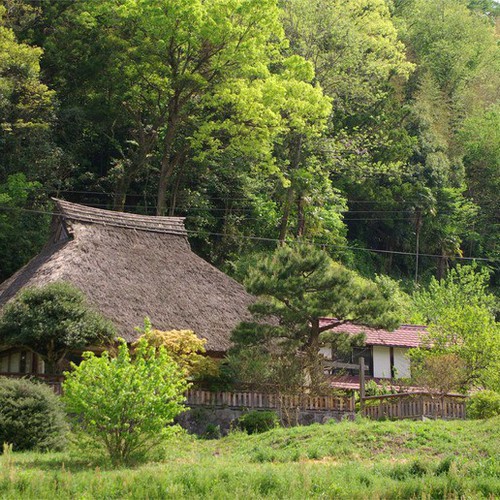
column 361, row 384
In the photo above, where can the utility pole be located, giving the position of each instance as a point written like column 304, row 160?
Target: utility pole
column 361, row 384
column 418, row 225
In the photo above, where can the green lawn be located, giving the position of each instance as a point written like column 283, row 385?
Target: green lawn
column 346, row 460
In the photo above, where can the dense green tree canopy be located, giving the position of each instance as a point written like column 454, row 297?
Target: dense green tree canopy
column 368, row 126
column 26, row 104
column 52, row 320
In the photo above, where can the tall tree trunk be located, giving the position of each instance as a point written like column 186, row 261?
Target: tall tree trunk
column 51, row 359
column 286, row 215
column 123, row 184
column 295, row 148
column 314, row 365
column 138, row 161
column 167, row 162
column 173, row 199
column 442, row 265
column 418, row 226
column 167, row 168
column 120, row 195
column 178, row 160
column 301, row 218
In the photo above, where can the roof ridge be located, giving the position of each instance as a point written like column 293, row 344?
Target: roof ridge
column 349, row 322
column 150, row 223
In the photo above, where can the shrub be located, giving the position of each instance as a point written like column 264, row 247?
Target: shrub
column 126, row 403
column 445, row 464
column 52, row 320
column 255, row 422
column 31, row 416
column 184, row 347
column 484, row 404
column 212, row 431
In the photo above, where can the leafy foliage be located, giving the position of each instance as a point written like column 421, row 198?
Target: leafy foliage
column 272, row 370
column 183, row 346
column 126, row 403
column 464, row 286
column 483, row 404
column 357, row 125
column 26, row 104
column 461, row 316
column 255, row 422
column 52, row 320
column 21, row 234
column 31, row 416
column 439, row 374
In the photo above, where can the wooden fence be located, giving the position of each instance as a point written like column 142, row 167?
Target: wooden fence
column 411, row 405
column 243, row 399
column 258, row 400
column 414, row 405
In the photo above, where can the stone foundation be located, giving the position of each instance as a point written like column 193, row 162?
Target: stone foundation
column 214, row 421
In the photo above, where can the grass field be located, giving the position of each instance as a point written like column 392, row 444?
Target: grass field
column 348, row 460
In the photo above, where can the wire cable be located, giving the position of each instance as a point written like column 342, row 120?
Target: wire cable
column 275, row 240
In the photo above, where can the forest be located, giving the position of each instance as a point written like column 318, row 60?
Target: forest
column 369, row 128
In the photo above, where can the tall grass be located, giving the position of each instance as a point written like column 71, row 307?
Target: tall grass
column 347, row 460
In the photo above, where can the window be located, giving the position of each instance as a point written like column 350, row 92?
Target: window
column 363, row 352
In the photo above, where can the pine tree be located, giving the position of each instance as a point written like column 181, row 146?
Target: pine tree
column 295, row 288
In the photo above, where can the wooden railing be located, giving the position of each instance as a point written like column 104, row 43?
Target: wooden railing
column 414, row 405
column 258, row 400
column 243, row 399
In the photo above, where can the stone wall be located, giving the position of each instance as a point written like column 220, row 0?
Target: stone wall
column 212, row 421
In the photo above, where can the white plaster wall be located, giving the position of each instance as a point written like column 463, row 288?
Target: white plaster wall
column 401, row 362
column 381, row 362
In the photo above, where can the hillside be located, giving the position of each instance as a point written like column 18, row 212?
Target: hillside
column 348, row 460
column 367, row 127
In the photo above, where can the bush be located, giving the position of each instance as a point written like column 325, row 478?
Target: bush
column 255, row 422
column 126, row 403
column 52, row 320
column 212, row 431
column 484, row 404
column 184, row 347
column 31, row 416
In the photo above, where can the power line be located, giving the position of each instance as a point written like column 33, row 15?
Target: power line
column 242, row 212
column 233, row 211
column 329, row 245
column 222, row 198
column 275, row 240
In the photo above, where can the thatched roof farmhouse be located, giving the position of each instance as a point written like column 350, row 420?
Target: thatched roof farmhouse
column 130, row 266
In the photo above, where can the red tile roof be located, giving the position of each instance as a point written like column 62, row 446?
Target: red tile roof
column 404, row 336
column 351, row 383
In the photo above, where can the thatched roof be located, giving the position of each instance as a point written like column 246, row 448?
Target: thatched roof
column 130, row 266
